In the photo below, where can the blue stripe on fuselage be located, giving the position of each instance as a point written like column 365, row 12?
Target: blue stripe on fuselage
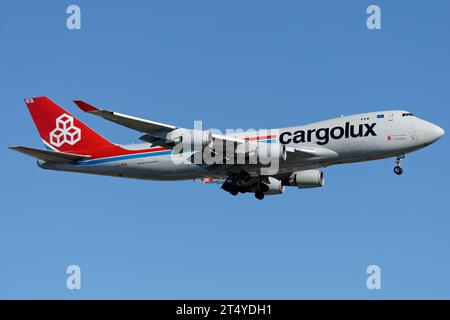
column 125, row 157
column 268, row 141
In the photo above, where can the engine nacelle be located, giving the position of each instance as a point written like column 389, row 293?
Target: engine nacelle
column 273, row 186
column 266, row 152
column 307, row 179
column 196, row 138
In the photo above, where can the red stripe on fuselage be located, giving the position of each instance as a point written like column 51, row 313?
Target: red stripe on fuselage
column 260, row 138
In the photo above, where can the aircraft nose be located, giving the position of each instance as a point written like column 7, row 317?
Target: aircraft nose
column 431, row 132
column 440, row 132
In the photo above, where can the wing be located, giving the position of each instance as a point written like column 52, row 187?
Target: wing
column 48, row 155
column 155, row 132
column 138, row 124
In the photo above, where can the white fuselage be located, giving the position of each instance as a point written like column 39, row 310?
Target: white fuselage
column 362, row 137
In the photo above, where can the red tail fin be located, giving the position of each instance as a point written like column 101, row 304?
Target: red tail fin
column 60, row 130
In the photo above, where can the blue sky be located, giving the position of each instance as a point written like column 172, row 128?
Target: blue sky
column 232, row 64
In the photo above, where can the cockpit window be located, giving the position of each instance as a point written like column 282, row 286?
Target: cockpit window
column 407, row 114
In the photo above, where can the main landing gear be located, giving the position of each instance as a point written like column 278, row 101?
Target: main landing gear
column 260, row 189
column 259, row 195
column 241, row 183
column 398, row 170
column 236, row 183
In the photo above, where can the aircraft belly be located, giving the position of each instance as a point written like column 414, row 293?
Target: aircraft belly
column 151, row 168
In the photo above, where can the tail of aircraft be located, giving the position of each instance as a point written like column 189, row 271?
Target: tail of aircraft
column 61, row 131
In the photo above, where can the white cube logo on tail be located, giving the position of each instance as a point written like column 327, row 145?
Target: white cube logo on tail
column 65, row 131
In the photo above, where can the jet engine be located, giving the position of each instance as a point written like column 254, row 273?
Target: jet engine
column 271, row 186
column 307, row 179
column 266, row 152
column 196, row 138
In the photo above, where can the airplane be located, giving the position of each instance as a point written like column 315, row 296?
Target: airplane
column 298, row 152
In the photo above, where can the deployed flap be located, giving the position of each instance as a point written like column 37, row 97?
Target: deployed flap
column 48, row 155
column 131, row 122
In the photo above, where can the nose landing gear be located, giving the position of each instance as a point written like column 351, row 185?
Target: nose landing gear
column 398, row 170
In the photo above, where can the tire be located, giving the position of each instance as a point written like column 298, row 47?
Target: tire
column 398, row 170
column 234, row 192
column 259, row 195
column 264, row 187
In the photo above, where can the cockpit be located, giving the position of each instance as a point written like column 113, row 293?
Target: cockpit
column 407, row 114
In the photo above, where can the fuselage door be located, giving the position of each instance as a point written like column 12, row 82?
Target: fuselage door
column 391, row 116
column 411, row 136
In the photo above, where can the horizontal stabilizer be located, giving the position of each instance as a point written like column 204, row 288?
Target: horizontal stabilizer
column 48, row 155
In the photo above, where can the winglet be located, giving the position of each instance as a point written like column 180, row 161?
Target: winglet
column 85, row 106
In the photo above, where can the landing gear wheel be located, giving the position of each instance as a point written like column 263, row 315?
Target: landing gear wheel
column 398, row 170
column 259, row 195
column 264, row 187
column 234, row 192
